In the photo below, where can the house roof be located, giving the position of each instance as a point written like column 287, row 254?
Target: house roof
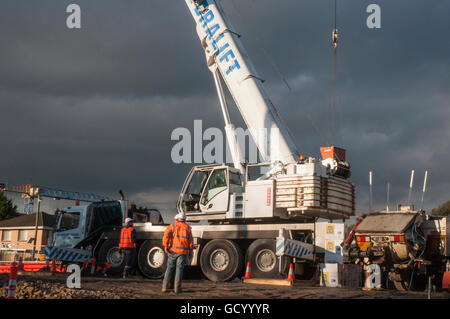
column 45, row 220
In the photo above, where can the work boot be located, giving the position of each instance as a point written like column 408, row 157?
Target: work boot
column 163, row 290
column 177, row 291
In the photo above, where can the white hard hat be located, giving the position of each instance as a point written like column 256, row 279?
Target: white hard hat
column 180, row 216
column 127, row 220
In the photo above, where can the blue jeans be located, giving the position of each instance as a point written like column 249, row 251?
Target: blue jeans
column 128, row 256
column 175, row 263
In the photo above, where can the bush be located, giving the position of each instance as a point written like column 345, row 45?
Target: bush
column 442, row 210
column 7, row 208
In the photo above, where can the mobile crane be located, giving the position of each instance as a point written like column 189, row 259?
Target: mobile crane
column 275, row 195
column 270, row 219
column 30, row 192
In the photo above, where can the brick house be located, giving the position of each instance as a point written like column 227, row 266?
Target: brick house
column 16, row 235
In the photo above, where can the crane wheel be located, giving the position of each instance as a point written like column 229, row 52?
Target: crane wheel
column 152, row 260
column 221, row 260
column 264, row 261
column 109, row 252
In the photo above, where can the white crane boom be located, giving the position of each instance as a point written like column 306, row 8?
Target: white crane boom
column 293, row 188
column 226, row 54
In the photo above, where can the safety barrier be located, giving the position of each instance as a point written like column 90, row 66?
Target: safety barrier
column 51, row 266
column 26, row 266
column 96, row 268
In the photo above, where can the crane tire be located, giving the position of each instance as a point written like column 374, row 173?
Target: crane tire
column 109, row 252
column 152, row 260
column 221, row 260
column 263, row 260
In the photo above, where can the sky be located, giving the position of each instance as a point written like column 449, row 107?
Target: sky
column 92, row 109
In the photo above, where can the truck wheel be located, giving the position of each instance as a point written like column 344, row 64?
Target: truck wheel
column 263, row 260
column 109, row 252
column 398, row 279
column 400, row 285
column 152, row 260
column 418, row 282
column 221, row 260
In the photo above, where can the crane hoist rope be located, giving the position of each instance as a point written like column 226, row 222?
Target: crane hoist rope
column 281, row 75
column 334, row 39
column 334, row 104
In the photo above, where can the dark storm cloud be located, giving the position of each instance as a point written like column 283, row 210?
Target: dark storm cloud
column 93, row 109
column 138, row 48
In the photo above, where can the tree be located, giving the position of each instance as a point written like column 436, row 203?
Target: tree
column 7, row 208
column 442, row 210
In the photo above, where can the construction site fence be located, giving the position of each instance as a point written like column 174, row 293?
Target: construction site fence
column 10, row 255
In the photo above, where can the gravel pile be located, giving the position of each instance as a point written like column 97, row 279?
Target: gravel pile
column 30, row 288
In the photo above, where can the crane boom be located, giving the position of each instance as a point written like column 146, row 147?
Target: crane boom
column 226, row 54
column 43, row 191
column 293, row 187
column 30, row 192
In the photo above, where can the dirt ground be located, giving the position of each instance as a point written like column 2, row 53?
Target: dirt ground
column 54, row 287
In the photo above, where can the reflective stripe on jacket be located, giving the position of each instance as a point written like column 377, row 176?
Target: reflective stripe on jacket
column 126, row 238
column 179, row 240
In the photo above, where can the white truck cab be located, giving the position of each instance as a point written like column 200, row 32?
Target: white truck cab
column 71, row 226
column 75, row 224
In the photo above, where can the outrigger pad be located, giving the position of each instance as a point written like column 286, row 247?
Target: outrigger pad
column 67, row 254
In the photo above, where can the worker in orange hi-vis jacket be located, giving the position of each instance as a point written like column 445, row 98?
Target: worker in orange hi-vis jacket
column 127, row 245
column 178, row 245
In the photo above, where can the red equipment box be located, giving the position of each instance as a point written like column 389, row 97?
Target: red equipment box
column 333, row 152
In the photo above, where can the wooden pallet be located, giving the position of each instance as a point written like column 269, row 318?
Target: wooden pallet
column 264, row 281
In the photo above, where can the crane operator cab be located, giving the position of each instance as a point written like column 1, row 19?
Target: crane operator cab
column 207, row 191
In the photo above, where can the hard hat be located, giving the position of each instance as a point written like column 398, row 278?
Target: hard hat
column 180, row 216
column 128, row 220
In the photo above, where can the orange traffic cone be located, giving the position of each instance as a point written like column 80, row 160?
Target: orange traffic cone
column 291, row 275
column 248, row 271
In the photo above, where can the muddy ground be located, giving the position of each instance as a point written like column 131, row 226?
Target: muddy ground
column 54, row 287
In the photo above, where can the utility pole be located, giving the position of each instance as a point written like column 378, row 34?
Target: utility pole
column 370, row 192
column 36, row 226
column 411, row 184
column 424, row 189
column 387, row 196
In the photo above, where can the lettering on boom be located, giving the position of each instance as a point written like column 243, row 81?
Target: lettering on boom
column 207, row 22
